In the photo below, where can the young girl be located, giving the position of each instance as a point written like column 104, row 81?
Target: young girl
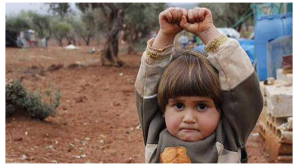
column 185, row 104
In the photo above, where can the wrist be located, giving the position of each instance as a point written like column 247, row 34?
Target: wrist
column 209, row 34
column 163, row 40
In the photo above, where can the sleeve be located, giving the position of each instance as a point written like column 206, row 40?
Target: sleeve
column 241, row 96
column 153, row 63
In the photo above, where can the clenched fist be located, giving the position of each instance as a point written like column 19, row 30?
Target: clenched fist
column 200, row 23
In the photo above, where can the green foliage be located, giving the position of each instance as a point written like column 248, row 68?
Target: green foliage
column 88, row 25
column 140, row 20
column 60, row 9
column 144, row 16
column 41, row 23
column 61, row 29
column 17, row 97
column 17, row 23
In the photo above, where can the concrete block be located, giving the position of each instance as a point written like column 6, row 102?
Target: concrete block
column 262, row 87
column 286, row 137
column 263, row 91
column 290, row 123
column 284, row 77
column 284, row 159
column 275, row 148
column 279, row 100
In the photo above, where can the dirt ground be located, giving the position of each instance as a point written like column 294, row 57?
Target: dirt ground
column 96, row 121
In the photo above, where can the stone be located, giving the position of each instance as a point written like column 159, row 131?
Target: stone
column 262, row 87
column 279, row 100
column 284, row 77
column 286, row 137
column 290, row 123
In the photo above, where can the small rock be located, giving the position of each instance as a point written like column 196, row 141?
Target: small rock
column 83, row 143
column 56, row 142
column 269, row 81
column 23, row 157
column 81, row 149
column 83, row 156
column 50, row 147
column 102, row 141
column 121, row 74
column 17, row 139
column 102, row 136
column 26, row 133
column 132, row 82
column 116, row 103
column 130, row 160
column 77, row 156
column 72, row 145
column 54, row 161
column 87, row 138
column 138, row 127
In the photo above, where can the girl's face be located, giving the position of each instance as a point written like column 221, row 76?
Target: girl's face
column 191, row 118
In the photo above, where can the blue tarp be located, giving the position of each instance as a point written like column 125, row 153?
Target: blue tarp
column 248, row 46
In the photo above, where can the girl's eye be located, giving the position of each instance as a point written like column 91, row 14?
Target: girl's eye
column 202, row 106
column 179, row 106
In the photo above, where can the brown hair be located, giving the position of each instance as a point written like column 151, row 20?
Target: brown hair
column 190, row 74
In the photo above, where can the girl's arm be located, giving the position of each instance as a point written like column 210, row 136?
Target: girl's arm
column 242, row 99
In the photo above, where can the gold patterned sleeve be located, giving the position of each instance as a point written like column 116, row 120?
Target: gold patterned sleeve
column 155, row 55
column 214, row 44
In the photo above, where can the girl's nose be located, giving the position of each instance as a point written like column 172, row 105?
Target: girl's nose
column 189, row 117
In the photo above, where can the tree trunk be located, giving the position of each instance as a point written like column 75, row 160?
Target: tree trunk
column 110, row 50
column 60, row 42
column 69, row 41
column 74, row 41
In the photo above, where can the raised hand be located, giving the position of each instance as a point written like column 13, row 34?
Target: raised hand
column 169, row 20
column 200, row 22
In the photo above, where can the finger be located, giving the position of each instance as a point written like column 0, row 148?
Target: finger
column 201, row 14
column 186, row 25
column 208, row 13
column 195, row 14
column 185, row 12
column 168, row 16
column 190, row 16
column 174, row 14
column 180, row 14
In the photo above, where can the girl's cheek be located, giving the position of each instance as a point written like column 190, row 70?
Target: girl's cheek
column 172, row 123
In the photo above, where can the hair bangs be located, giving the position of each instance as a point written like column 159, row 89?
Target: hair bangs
column 191, row 80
